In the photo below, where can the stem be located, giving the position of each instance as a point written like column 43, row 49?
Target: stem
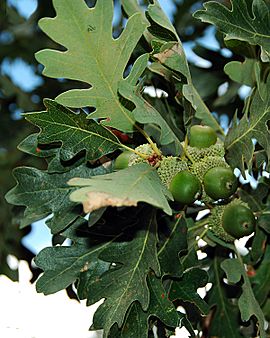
column 195, row 243
column 203, row 234
column 144, row 156
column 198, row 225
column 154, row 147
column 185, row 150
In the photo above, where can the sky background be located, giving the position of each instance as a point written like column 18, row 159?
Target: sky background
column 23, row 76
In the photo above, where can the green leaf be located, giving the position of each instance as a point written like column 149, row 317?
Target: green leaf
column 145, row 113
column 225, row 321
column 201, row 110
column 44, row 194
column 127, row 187
column 136, row 323
column 261, row 280
column 92, row 57
column 131, row 7
column 174, row 242
column 253, row 125
column 171, row 59
column 264, row 219
column 258, row 245
column 75, row 132
column 62, row 265
column 246, row 21
column 242, row 72
column 161, row 27
column 30, row 146
column 247, row 302
column 172, row 56
column 186, row 288
column 126, row 283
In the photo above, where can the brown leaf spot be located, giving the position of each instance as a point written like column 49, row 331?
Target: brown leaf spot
column 85, row 267
column 167, row 53
column 97, row 200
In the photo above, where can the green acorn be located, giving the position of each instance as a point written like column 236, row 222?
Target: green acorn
column 200, row 168
column 215, row 224
column 169, row 166
column 238, row 219
column 232, row 221
column 197, row 154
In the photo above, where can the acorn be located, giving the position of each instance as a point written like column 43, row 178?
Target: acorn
column 232, row 221
column 169, row 166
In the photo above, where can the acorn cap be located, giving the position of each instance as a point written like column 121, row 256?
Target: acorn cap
column 215, row 224
column 197, row 154
column 169, row 166
column 200, row 168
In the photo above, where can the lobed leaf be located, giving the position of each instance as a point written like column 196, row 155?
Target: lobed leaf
column 136, row 323
column 174, row 241
column 43, row 194
column 126, row 283
column 261, row 280
column 246, row 21
column 74, row 131
column 92, row 56
column 253, row 125
column 145, row 113
column 63, row 265
column 127, row 187
column 242, row 72
column 186, row 288
column 247, row 302
column 225, row 321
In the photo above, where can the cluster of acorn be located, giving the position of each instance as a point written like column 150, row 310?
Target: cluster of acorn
column 202, row 174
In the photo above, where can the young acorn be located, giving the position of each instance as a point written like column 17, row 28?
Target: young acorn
column 169, row 166
column 185, row 187
column 232, row 221
column 202, row 136
column 122, row 160
column 219, row 182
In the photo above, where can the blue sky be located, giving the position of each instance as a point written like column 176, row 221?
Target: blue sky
column 23, row 75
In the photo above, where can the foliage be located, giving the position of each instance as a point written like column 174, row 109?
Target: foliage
column 131, row 244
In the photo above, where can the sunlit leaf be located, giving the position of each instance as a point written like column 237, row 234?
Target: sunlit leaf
column 127, row 187
column 93, row 56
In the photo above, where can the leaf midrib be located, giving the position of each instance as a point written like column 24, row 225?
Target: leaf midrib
column 86, row 41
column 83, row 257
column 135, row 268
column 249, row 129
column 229, row 23
column 76, row 128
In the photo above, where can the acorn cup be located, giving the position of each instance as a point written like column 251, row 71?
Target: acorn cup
column 232, row 221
